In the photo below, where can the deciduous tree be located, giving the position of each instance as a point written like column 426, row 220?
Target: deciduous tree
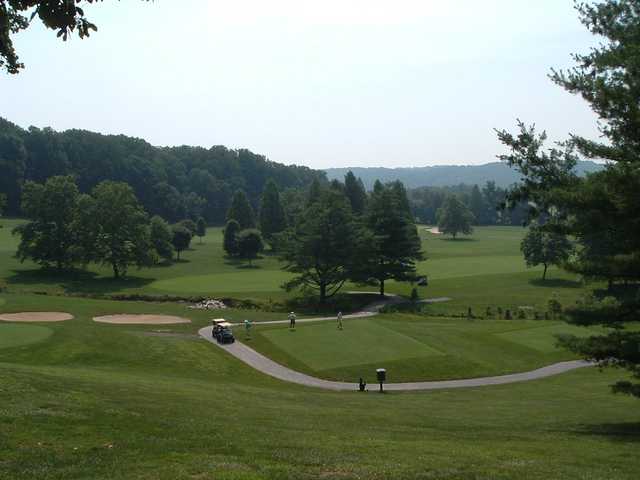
column 454, row 217
column 48, row 238
column 181, row 238
column 250, row 244
column 545, row 247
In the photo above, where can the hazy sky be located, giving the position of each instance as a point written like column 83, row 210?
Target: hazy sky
column 320, row 83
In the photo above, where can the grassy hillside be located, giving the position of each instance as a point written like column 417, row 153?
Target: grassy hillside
column 111, row 402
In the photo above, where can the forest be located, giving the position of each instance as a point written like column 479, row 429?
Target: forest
column 172, row 182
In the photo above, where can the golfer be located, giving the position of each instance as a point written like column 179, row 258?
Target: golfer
column 247, row 326
column 339, row 319
column 292, row 320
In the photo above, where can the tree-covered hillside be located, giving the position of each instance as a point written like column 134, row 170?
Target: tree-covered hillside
column 173, row 182
column 446, row 175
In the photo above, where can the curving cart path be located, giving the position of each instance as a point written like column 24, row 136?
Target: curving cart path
column 269, row 367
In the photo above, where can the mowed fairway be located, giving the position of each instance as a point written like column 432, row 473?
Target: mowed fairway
column 483, row 270
column 414, row 348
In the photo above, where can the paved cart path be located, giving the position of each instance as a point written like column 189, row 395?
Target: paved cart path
column 269, row 367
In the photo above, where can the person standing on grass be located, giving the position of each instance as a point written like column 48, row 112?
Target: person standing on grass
column 292, row 321
column 247, row 327
column 339, row 319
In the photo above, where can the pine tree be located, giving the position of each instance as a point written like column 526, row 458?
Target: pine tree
column 272, row 217
column 601, row 210
column 321, row 248
column 389, row 246
column 357, row 195
column 230, row 240
column 241, row 211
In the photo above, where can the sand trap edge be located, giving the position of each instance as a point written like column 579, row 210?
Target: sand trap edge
column 36, row 317
column 140, row 319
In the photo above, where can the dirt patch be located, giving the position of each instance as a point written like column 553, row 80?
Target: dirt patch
column 434, row 230
column 141, row 319
column 35, row 317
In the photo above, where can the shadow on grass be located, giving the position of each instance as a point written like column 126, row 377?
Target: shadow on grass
column 458, row 240
column 622, row 432
column 77, row 281
column 555, row 283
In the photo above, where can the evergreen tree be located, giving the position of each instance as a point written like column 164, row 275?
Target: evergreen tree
column 477, row 206
column 315, row 190
column 454, row 217
column 544, row 247
column 48, row 238
column 272, row 217
column 390, row 246
column 241, row 211
column 161, row 238
column 601, row 210
column 181, row 238
column 230, row 241
column 321, row 248
column 201, row 228
column 250, row 244
column 357, row 195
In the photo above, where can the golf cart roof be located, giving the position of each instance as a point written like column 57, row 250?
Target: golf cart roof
column 218, row 321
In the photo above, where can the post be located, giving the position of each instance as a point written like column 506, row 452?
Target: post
column 381, row 374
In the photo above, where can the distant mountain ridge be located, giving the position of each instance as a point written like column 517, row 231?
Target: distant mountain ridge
column 445, row 175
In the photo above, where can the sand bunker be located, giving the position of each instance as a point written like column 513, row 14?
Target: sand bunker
column 434, row 230
column 35, row 317
column 141, row 319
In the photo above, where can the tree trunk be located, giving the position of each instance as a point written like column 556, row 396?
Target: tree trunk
column 544, row 273
column 382, row 288
column 116, row 272
column 323, row 293
column 178, row 255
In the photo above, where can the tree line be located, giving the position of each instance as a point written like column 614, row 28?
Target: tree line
column 172, row 182
column 108, row 226
column 488, row 205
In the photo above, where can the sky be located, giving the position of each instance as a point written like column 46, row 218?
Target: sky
column 331, row 83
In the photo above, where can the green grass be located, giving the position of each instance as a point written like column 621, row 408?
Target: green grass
column 322, row 346
column 414, row 348
column 490, row 259
column 113, row 402
column 109, row 402
column 12, row 335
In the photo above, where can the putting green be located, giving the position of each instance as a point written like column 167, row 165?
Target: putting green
column 323, row 346
column 248, row 280
column 543, row 339
column 17, row 335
